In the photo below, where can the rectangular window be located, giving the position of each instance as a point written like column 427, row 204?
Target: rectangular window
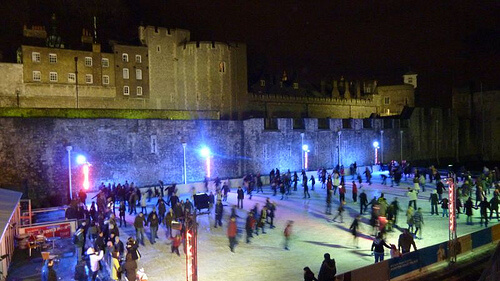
column 139, row 91
column 138, row 59
column 89, row 79
column 154, row 144
column 126, row 90
column 222, row 67
column 138, row 74
column 387, row 100
column 262, row 83
column 126, row 74
column 53, row 58
column 410, row 80
column 35, row 57
column 125, row 57
column 296, row 86
column 158, row 49
column 53, row 76
column 71, row 78
column 105, row 79
column 105, row 62
column 88, row 61
column 37, row 76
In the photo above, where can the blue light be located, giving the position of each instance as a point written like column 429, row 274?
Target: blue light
column 305, row 147
column 205, row 152
column 80, row 159
column 375, row 144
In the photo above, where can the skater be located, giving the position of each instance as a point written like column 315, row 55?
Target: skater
column 405, row 242
column 121, row 212
column 354, row 192
column 241, row 196
column 444, row 206
column 418, row 220
column 494, row 205
column 309, row 275
column 363, row 202
column 328, row 210
column 282, row 191
column 313, row 182
column 232, row 230
column 177, row 240
column 395, row 210
column 340, row 212
column 249, row 226
column 368, row 174
column 483, row 209
column 139, row 223
column 468, row 206
column 219, row 209
column 440, row 188
column 378, row 247
column 354, row 230
column 409, row 218
column 287, row 233
column 412, row 196
column 384, row 179
column 342, row 193
column 262, row 221
column 434, row 202
column 306, row 188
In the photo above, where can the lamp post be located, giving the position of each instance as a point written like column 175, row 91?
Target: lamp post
column 376, row 146
column 339, row 133
column 305, row 150
column 381, row 146
column 69, row 148
column 184, row 144
column 302, row 152
column 205, row 152
column 401, row 145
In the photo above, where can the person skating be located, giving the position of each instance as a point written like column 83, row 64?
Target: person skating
column 121, row 212
column 282, row 191
column 94, row 261
column 354, row 192
column 139, row 223
column 328, row 269
column 409, row 217
column 219, row 209
column 262, row 220
column 444, row 206
column 287, row 233
column 249, row 226
column 468, row 206
column 378, row 247
column 483, row 209
column 340, row 211
column 405, row 242
column 494, row 205
column 412, row 196
column 232, row 230
column 153, row 222
column 240, row 197
column 313, row 182
column 368, row 175
column 434, row 202
column 271, row 209
column 309, row 275
column 440, row 188
column 354, row 230
column 363, row 202
column 342, row 193
column 395, row 209
column 306, row 188
column 418, row 220
column 176, row 242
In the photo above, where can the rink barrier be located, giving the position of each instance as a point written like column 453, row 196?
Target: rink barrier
column 417, row 261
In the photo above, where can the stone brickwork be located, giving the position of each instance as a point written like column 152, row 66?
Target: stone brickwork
column 32, row 150
column 13, row 73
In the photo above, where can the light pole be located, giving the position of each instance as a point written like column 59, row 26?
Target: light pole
column 401, row 144
column 375, row 145
column 381, row 146
column 69, row 148
column 184, row 144
column 339, row 133
column 302, row 152
column 305, row 150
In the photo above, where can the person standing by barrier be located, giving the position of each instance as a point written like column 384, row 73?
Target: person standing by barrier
column 378, row 247
column 405, row 242
column 434, row 202
column 328, row 269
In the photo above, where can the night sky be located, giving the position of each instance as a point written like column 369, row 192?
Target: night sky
column 449, row 43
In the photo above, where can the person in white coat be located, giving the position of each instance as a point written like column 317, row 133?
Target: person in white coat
column 94, row 261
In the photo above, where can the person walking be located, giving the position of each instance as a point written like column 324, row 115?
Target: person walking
column 434, row 202
column 378, row 247
column 232, row 230
column 240, row 197
column 287, row 233
column 139, row 223
column 328, row 269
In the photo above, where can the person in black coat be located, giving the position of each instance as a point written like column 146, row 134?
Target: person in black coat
column 434, row 203
column 494, row 205
column 328, row 269
column 309, row 275
column 468, row 206
column 219, row 209
column 483, row 209
column 241, row 196
column 363, row 202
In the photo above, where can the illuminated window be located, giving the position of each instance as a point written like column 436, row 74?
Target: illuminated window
column 37, row 76
column 138, row 74
column 262, row 83
column 88, row 61
column 35, row 57
column 53, row 76
column 71, row 78
column 52, row 58
column 89, row 79
column 105, row 62
column 126, row 90
column 139, row 91
column 125, row 57
column 126, row 74
column 105, row 79
column 222, row 67
column 410, row 80
column 138, row 59
column 296, row 86
column 387, row 100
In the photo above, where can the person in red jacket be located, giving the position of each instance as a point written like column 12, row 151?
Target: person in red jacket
column 176, row 243
column 231, row 233
column 354, row 192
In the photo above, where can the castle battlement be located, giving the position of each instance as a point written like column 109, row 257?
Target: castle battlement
column 326, row 100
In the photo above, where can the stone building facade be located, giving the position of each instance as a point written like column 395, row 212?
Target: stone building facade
column 132, row 71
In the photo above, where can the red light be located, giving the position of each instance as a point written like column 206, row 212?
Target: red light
column 86, row 183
